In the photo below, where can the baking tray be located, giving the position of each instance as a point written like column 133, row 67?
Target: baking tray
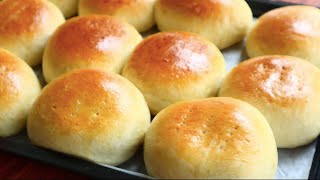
column 134, row 168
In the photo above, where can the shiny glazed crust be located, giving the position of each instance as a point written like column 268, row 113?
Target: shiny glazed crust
column 174, row 66
column 91, row 114
column 224, row 22
column 286, row 90
column 25, row 27
column 19, row 88
column 139, row 13
column 213, row 138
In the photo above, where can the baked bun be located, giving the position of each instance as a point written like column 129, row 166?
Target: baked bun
column 92, row 114
column 292, row 30
column 213, row 138
column 139, row 13
column 25, row 26
column 170, row 67
column 19, row 87
column 94, row 41
column 69, row 8
column 222, row 22
column 286, row 90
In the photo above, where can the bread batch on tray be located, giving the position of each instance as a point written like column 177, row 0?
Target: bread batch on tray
column 104, row 81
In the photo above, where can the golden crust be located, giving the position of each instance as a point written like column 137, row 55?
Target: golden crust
column 285, row 89
column 99, row 34
column 169, row 67
column 11, row 22
column 110, row 6
column 19, row 87
column 170, row 57
column 278, row 80
column 207, row 138
column 11, row 81
column 139, row 13
column 202, row 9
column 292, row 30
column 95, row 41
column 224, row 22
column 91, row 114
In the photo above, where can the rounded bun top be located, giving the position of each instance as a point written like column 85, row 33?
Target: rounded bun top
column 139, row 13
column 66, row 40
column 279, row 80
column 201, row 9
column 110, row 6
column 98, row 35
column 22, row 17
column 14, row 74
column 172, row 57
column 225, row 133
column 88, row 100
column 224, row 22
column 301, row 21
column 291, row 30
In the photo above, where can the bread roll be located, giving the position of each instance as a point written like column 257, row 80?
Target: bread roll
column 139, row 13
column 170, row 67
column 286, row 90
column 69, row 8
column 292, row 30
column 19, row 87
column 213, row 138
column 26, row 25
column 94, row 41
column 92, row 114
column 224, row 22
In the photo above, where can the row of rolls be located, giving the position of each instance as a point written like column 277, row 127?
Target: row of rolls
column 106, row 82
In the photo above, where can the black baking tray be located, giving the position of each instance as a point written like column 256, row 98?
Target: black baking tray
column 260, row 7
column 20, row 144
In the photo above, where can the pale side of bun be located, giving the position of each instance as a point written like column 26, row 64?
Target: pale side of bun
column 224, row 22
column 91, row 114
column 213, row 138
column 169, row 67
column 292, row 30
column 95, row 41
column 286, row 90
column 69, row 8
column 19, row 88
column 139, row 13
column 26, row 25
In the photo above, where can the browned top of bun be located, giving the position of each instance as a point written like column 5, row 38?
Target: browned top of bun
column 298, row 21
column 10, row 77
column 216, row 124
column 280, row 80
column 202, row 9
column 171, row 56
column 86, row 37
column 82, row 100
column 107, row 5
column 21, row 17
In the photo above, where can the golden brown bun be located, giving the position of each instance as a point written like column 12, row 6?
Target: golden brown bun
column 222, row 22
column 213, row 138
column 19, row 87
column 94, row 41
column 139, row 13
column 292, row 30
column 69, row 8
column 176, row 66
column 286, row 90
column 92, row 114
column 26, row 25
